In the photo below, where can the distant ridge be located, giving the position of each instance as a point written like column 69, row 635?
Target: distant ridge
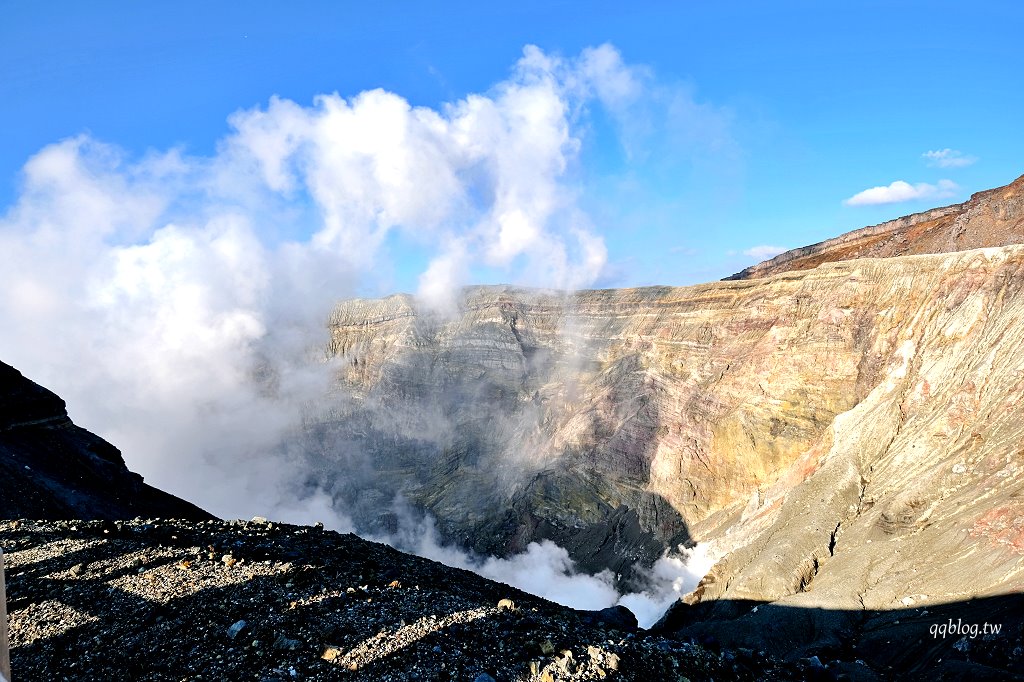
column 994, row 217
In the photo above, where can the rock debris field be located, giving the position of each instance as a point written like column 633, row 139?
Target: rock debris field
column 255, row 600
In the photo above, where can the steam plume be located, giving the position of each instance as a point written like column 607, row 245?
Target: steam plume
column 178, row 303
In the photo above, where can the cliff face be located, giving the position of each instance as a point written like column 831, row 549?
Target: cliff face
column 52, row 469
column 844, row 430
column 847, row 438
column 853, row 428
column 991, row 218
column 910, row 499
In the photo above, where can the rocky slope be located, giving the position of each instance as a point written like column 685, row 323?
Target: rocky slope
column 52, row 469
column 994, row 217
column 171, row 600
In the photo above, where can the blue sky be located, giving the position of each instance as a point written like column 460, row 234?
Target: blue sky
column 187, row 188
column 807, row 103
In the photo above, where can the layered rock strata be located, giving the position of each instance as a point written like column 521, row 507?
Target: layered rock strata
column 859, row 407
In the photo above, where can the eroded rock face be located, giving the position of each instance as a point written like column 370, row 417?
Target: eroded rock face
column 877, row 396
column 912, row 498
column 52, row 469
column 994, row 217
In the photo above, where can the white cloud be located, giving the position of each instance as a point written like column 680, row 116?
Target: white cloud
column 546, row 570
column 442, row 277
column 493, row 168
column 948, row 158
column 671, row 577
column 149, row 292
column 764, row 251
column 900, row 191
column 616, row 84
column 178, row 303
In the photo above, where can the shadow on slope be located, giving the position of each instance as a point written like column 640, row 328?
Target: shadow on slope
column 966, row 640
column 146, row 601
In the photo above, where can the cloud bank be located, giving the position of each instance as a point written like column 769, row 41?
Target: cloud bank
column 900, row 191
column 546, row 570
column 179, row 303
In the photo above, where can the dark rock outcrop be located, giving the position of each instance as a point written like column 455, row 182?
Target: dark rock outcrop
column 52, row 469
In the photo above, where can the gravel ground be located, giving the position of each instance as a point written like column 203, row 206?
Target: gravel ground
column 235, row 600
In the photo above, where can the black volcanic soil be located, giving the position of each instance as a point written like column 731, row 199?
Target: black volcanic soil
column 166, row 600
